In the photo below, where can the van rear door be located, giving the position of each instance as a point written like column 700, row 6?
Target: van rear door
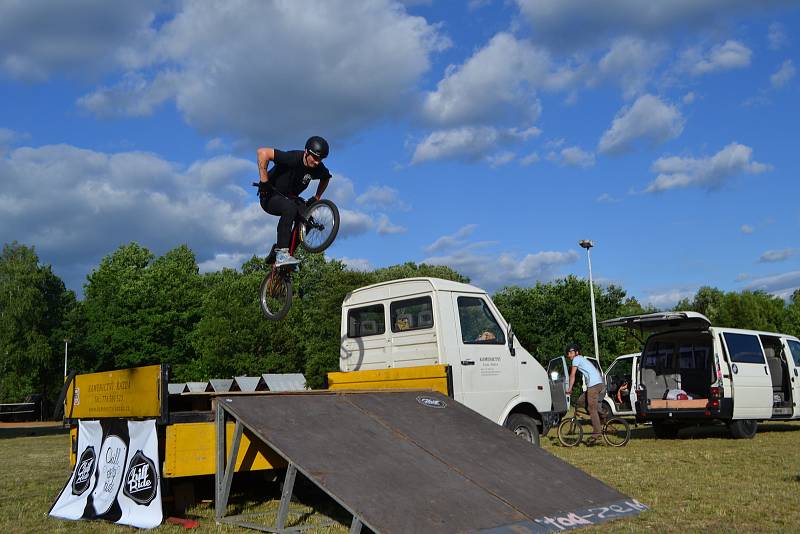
column 751, row 383
column 793, row 360
column 662, row 321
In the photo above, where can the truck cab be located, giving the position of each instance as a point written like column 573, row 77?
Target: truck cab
column 691, row 371
column 428, row 322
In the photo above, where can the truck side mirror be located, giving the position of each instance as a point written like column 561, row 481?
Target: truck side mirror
column 510, row 337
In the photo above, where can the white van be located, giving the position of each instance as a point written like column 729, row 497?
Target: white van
column 426, row 322
column 691, row 372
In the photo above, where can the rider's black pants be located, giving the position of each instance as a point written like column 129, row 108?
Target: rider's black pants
column 284, row 208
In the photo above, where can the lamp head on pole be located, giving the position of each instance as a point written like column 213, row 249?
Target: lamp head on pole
column 585, row 243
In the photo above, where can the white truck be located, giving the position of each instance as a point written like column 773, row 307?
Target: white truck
column 428, row 332
column 691, row 372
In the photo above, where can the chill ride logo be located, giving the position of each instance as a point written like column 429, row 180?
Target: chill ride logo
column 140, row 481
column 83, row 474
column 431, row 402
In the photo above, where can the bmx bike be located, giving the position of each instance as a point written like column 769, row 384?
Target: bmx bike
column 314, row 228
column 616, row 431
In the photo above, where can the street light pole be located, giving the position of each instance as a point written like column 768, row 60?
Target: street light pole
column 585, row 243
column 66, row 344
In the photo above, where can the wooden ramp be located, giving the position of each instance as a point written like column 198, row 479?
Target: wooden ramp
column 411, row 461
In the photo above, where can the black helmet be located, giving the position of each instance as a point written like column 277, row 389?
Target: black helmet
column 317, row 146
column 572, row 346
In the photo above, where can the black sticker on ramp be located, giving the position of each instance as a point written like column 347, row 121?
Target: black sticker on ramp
column 141, row 480
column 83, row 474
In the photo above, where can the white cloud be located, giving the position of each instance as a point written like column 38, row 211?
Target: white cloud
column 782, row 76
column 222, row 261
column 450, row 241
column 498, row 82
column 711, row 172
column 607, row 198
column 216, row 144
column 529, row 159
column 357, row 264
column 774, row 256
column 630, row 62
column 468, row 142
column 689, row 97
column 776, row 36
column 747, row 229
column 577, row 157
column 667, row 298
column 492, row 272
column 353, row 223
column 726, row 56
column 500, row 159
column 575, row 23
column 382, row 197
column 41, row 39
column 780, row 285
column 741, row 277
column 649, row 119
column 340, row 190
column 219, row 66
column 385, row 226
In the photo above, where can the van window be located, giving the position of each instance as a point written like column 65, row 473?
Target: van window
column 478, row 325
column 744, row 348
column 366, row 321
column 794, row 346
column 411, row 314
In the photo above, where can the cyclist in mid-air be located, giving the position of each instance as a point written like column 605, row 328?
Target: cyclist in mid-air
column 279, row 188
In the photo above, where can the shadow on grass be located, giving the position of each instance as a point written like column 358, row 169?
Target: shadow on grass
column 21, row 430
column 714, row 430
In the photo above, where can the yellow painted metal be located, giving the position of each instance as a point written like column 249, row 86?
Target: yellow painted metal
column 73, row 439
column 191, row 449
column 124, row 393
column 424, row 377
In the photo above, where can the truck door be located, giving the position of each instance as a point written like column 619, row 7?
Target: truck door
column 751, row 383
column 559, row 382
column 489, row 376
column 793, row 360
column 619, row 385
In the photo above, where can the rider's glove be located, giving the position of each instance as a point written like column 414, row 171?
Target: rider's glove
column 265, row 187
column 311, row 200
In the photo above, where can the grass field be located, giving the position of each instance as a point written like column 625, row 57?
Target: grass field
column 703, row 481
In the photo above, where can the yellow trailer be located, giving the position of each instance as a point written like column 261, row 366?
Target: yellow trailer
column 185, row 421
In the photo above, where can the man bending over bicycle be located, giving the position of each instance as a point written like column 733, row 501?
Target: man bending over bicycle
column 594, row 387
column 280, row 187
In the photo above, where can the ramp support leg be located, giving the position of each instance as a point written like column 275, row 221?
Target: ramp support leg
column 355, row 526
column 286, row 496
column 224, row 472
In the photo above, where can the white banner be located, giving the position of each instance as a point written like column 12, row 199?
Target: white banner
column 116, row 476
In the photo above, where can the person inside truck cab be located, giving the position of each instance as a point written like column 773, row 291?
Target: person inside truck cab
column 594, row 387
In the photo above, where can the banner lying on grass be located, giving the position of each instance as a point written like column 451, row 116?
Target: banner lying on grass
column 116, row 475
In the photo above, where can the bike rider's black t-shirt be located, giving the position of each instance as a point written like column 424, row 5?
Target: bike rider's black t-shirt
column 290, row 176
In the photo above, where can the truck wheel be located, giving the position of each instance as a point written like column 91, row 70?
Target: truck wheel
column 524, row 426
column 665, row 430
column 743, row 428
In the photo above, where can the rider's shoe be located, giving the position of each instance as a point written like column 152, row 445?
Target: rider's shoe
column 282, row 257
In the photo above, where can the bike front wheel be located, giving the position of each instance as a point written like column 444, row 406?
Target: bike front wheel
column 616, row 432
column 275, row 295
column 321, row 227
column 570, row 432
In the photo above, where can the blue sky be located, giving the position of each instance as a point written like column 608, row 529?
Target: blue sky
column 489, row 135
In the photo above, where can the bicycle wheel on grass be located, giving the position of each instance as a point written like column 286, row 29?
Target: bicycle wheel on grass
column 616, row 432
column 322, row 226
column 570, row 432
column 275, row 295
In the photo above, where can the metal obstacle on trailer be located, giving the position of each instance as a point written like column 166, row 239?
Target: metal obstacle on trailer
column 452, row 470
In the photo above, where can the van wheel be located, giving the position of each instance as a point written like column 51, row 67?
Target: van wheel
column 743, row 428
column 524, row 426
column 665, row 430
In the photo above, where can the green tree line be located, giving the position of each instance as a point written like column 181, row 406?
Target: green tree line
column 141, row 309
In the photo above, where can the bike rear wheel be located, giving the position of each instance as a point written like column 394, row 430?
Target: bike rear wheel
column 616, row 432
column 275, row 295
column 570, row 432
column 323, row 224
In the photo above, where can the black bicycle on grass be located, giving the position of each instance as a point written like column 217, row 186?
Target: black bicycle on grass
column 616, row 431
column 315, row 228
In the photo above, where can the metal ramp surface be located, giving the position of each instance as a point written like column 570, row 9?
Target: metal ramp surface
column 411, row 461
